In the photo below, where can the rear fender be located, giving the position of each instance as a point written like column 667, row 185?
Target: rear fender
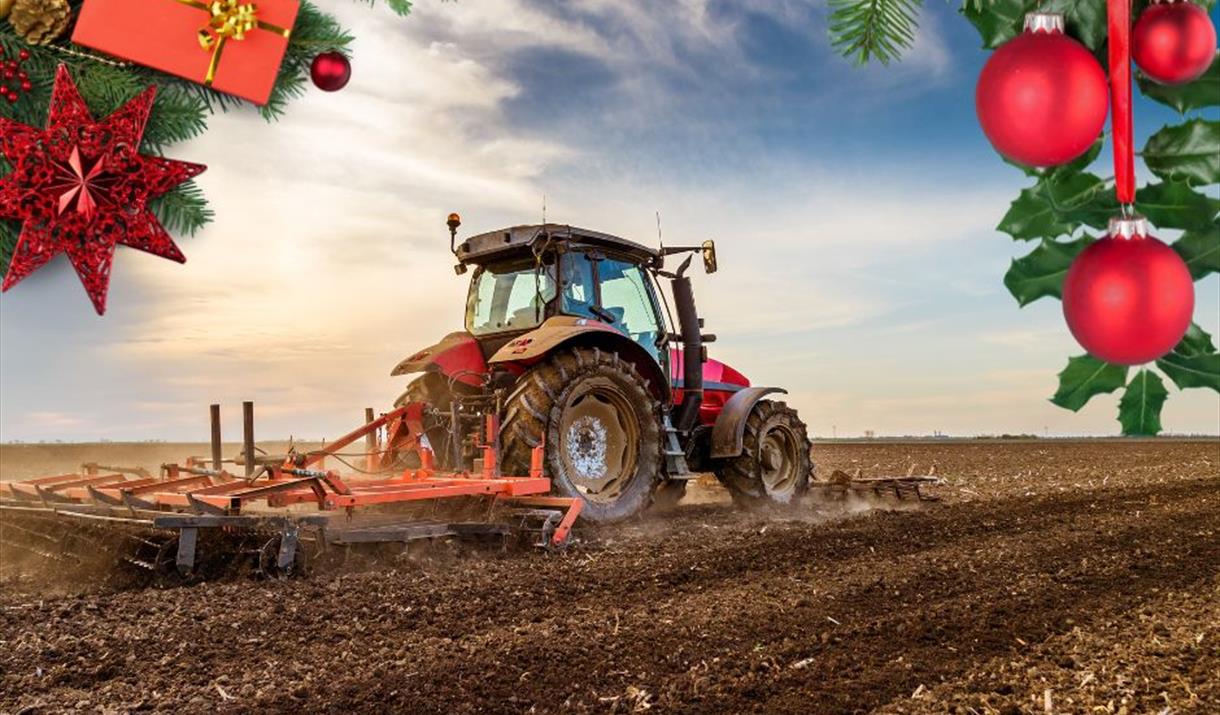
column 457, row 356
column 564, row 331
column 729, row 431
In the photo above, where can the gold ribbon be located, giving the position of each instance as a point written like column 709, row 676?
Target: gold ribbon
column 227, row 20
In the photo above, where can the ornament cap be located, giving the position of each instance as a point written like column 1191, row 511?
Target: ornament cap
column 1128, row 227
column 1044, row 22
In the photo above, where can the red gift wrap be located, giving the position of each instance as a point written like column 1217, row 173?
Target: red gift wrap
column 229, row 45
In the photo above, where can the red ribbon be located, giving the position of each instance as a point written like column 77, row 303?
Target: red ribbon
column 1119, row 14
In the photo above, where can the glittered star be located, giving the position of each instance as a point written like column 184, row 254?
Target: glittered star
column 80, row 187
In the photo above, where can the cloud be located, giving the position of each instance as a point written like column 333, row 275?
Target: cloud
column 853, row 258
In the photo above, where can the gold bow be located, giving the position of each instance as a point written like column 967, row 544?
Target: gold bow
column 227, row 20
column 230, row 20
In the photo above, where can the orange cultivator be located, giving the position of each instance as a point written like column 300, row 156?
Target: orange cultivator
column 166, row 518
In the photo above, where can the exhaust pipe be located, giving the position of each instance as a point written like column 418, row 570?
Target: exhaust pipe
column 692, row 350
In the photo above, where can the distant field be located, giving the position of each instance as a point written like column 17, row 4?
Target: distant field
column 22, row 461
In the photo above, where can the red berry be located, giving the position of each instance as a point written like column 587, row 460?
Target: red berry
column 26, row 86
column 24, row 55
column 12, row 98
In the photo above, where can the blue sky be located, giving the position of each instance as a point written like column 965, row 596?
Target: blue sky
column 854, row 210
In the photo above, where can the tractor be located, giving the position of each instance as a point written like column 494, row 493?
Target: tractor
column 570, row 343
column 572, row 393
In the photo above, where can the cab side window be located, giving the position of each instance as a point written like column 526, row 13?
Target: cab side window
column 577, row 289
column 625, row 295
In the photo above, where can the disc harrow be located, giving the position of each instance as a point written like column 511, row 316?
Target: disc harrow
column 196, row 520
column 907, row 488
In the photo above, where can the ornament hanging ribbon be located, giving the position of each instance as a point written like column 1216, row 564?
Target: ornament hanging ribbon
column 228, row 20
column 1121, row 125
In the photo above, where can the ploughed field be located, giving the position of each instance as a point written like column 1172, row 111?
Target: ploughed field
column 1065, row 577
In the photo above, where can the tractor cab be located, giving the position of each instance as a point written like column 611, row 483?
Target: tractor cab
column 527, row 274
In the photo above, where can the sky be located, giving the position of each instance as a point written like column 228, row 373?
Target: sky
column 854, row 213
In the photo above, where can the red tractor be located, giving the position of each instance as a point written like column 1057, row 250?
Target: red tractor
column 570, row 343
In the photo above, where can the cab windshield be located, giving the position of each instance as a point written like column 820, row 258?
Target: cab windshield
column 509, row 296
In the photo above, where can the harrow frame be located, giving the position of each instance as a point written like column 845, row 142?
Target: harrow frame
column 187, row 498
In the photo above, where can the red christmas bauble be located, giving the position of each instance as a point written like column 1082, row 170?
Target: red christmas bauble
column 1042, row 97
column 1128, row 298
column 1173, row 42
column 330, row 71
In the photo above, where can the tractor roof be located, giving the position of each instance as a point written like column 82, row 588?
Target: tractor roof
column 493, row 245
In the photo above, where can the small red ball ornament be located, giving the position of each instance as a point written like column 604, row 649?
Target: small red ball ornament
column 1128, row 298
column 1173, row 42
column 1042, row 96
column 330, row 71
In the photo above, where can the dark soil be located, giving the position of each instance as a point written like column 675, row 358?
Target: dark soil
column 1055, row 577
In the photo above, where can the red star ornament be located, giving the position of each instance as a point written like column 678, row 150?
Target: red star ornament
column 81, row 187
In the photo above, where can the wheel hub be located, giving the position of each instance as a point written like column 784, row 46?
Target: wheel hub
column 778, row 461
column 599, row 436
column 587, row 447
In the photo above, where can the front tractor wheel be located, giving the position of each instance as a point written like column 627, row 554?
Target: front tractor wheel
column 601, row 429
column 774, row 465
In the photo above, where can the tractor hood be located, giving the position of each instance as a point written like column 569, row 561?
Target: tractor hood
column 457, row 355
column 716, row 375
column 720, row 382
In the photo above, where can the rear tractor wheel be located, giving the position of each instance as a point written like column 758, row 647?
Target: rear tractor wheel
column 601, row 428
column 774, row 465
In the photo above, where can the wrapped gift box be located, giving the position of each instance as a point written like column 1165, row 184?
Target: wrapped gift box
column 231, row 46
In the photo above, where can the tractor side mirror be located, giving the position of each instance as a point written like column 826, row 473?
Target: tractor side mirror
column 709, row 256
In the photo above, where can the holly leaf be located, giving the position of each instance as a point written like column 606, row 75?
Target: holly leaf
column 1200, row 250
column 1139, row 410
column 1056, row 205
column 1084, row 19
column 1084, row 377
column 1078, row 164
column 1197, row 369
column 1033, row 216
column 997, row 21
column 1040, row 273
column 1203, row 92
column 1197, row 341
column 1189, row 152
column 1173, row 204
column 1083, row 198
column 1063, row 170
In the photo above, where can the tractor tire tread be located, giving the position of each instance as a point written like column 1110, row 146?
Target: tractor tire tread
column 531, row 417
column 741, row 474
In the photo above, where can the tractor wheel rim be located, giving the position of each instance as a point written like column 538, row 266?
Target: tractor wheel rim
column 598, row 441
column 779, row 461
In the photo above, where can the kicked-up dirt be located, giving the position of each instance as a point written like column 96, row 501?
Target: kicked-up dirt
column 1060, row 577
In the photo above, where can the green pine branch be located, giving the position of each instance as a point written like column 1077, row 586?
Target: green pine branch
column 183, row 209
column 864, row 30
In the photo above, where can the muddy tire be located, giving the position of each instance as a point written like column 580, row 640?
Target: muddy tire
column 601, row 426
column 774, row 465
